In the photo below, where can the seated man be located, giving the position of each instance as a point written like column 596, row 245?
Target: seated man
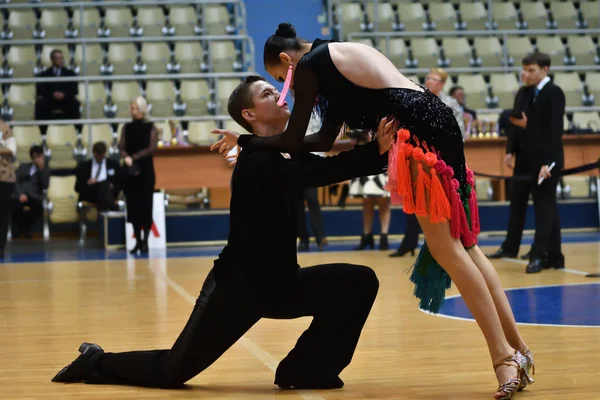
column 98, row 179
column 257, row 274
column 57, row 100
column 32, row 179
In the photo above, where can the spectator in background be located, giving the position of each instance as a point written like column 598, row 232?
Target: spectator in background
column 57, row 100
column 32, row 180
column 139, row 139
column 98, row 179
column 458, row 93
column 435, row 81
column 8, row 151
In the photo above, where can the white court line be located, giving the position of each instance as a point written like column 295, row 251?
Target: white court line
column 265, row 357
column 567, row 270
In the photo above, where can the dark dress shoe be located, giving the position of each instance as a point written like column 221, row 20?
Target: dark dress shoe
column 81, row 369
column 535, row 265
column 144, row 248
column 526, row 255
column 556, row 262
column 401, row 252
column 501, row 254
column 336, row 383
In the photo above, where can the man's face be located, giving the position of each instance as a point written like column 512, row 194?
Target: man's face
column 58, row 60
column 532, row 74
column 265, row 110
column 459, row 95
column 39, row 161
column 99, row 157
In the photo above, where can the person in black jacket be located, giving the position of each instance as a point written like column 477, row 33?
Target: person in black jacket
column 257, row 274
column 57, row 100
column 516, row 158
column 98, row 179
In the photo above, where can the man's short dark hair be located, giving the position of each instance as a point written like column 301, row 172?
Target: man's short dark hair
column 99, row 148
column 35, row 150
column 240, row 99
column 541, row 59
column 54, row 52
column 453, row 89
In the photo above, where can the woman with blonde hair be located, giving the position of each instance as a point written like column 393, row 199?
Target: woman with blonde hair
column 139, row 139
column 8, row 151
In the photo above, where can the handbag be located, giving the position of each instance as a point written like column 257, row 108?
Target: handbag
column 134, row 169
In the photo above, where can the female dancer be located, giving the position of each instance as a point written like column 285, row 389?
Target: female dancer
column 354, row 86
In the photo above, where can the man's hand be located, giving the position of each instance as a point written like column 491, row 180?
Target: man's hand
column 128, row 161
column 23, row 198
column 227, row 142
column 58, row 95
column 522, row 123
column 508, row 160
column 544, row 172
column 385, row 134
column 91, row 181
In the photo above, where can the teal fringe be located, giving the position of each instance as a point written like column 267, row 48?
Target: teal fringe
column 431, row 281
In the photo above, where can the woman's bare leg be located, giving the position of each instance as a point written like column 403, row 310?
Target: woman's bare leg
column 455, row 260
column 385, row 214
column 368, row 213
column 507, row 318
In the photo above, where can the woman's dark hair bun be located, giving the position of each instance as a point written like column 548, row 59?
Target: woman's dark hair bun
column 286, row 30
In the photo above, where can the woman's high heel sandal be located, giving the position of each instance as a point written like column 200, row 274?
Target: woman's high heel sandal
column 529, row 369
column 512, row 385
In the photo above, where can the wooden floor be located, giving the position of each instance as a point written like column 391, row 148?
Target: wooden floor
column 48, row 309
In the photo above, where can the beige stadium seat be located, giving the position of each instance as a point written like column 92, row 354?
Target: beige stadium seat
column 22, row 99
column 385, row 16
column 61, row 139
column 54, row 22
column 587, row 120
column 504, row 15
column 505, row 87
column 564, row 14
column 199, row 132
column 233, row 126
column 412, row 16
column 195, row 94
column 22, row 23
column 189, row 55
column 535, row 14
column 223, row 55
column 552, row 45
column 94, row 57
column 490, row 51
column 592, row 80
column 96, row 96
column 119, row 20
column 397, row 51
column 474, row 15
column 443, row 16
column 571, row 85
column 47, row 49
column 518, row 48
column 123, row 57
column 22, row 60
column 583, row 48
column 90, row 19
column 216, row 19
column 26, row 136
column 62, row 195
column 151, row 19
column 426, row 51
column 122, row 94
column 350, row 17
column 184, row 19
column 98, row 132
column 224, row 89
column 591, row 13
column 156, row 56
column 566, row 123
column 475, row 90
column 161, row 95
column 414, row 78
column 458, row 51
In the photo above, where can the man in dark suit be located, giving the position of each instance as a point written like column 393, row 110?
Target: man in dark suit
column 543, row 146
column 98, row 179
column 32, row 180
column 459, row 95
column 57, row 100
column 516, row 158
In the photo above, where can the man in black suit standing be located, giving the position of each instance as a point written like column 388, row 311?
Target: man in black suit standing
column 543, row 147
column 98, row 179
column 57, row 100
column 28, row 196
column 516, row 158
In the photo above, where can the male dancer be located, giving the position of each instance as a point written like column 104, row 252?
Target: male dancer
column 257, row 275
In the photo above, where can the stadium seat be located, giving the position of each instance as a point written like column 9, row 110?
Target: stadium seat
column 443, row 16
column 475, row 89
column 216, row 19
column 22, row 23
column 189, row 55
column 195, row 94
column 122, row 94
column 22, row 99
column 54, row 22
column 223, row 55
column 96, row 96
column 62, row 196
column 504, row 86
column 94, row 57
column 156, row 57
column 552, row 45
column 98, row 132
column 123, row 57
column 161, row 96
column 26, row 136
column 61, row 140
column 224, row 89
column 489, row 50
column 90, row 19
column 426, row 51
column 412, row 16
column 504, row 15
column 119, row 20
column 570, row 83
column 184, row 19
column 565, row 14
column 385, row 16
column 474, row 15
column 587, row 120
column 534, row 14
column 397, row 51
column 22, row 60
column 199, row 132
column 592, row 80
column 583, row 49
column 590, row 13
column 518, row 48
column 151, row 20
column 351, row 17
column 458, row 51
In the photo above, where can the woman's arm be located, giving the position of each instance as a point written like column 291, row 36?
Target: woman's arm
column 123, row 143
column 150, row 149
